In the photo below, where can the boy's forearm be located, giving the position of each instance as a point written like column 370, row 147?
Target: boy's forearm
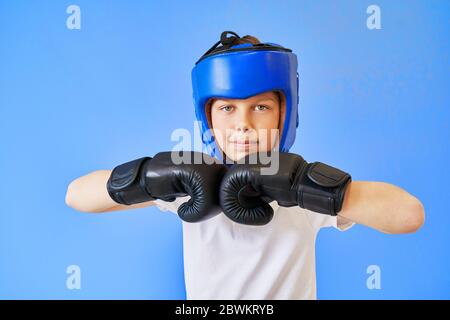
column 89, row 194
column 382, row 206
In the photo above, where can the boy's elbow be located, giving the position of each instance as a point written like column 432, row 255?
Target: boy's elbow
column 70, row 195
column 414, row 216
column 72, row 198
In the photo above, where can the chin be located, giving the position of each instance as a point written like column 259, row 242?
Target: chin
column 236, row 155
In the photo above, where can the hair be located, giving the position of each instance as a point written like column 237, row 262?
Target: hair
column 248, row 39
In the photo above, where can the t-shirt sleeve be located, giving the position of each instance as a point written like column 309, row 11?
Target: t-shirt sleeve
column 318, row 220
column 171, row 206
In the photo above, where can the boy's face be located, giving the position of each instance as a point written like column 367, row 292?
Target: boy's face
column 244, row 126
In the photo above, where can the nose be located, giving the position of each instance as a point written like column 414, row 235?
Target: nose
column 243, row 121
column 242, row 127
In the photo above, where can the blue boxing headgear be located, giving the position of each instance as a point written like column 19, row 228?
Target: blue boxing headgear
column 239, row 71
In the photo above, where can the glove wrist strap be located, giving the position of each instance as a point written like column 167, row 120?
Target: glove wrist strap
column 321, row 188
column 125, row 185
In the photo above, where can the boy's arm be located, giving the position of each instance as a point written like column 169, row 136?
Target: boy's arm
column 381, row 206
column 89, row 194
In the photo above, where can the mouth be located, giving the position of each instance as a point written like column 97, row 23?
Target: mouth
column 244, row 144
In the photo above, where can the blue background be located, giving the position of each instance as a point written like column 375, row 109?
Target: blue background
column 373, row 102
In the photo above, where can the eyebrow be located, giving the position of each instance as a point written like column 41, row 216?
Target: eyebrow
column 265, row 99
column 259, row 100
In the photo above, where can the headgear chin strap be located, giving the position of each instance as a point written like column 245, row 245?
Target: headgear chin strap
column 239, row 71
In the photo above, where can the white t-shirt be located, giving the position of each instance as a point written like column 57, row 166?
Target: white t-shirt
column 228, row 260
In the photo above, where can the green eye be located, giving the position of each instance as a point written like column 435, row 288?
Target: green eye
column 261, row 107
column 226, row 108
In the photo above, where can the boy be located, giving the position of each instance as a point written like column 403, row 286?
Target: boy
column 243, row 92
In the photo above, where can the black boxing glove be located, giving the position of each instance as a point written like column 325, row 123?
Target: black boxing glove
column 169, row 175
column 245, row 192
